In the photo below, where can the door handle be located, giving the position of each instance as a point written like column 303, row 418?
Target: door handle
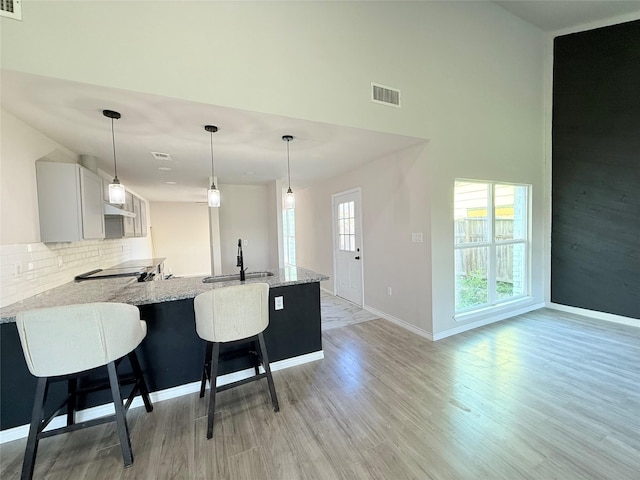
column 357, row 258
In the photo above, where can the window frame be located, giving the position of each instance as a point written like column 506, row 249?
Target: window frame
column 492, row 246
column 288, row 236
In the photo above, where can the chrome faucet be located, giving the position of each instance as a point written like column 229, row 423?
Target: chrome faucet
column 240, row 261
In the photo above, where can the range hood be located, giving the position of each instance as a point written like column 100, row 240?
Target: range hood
column 113, row 210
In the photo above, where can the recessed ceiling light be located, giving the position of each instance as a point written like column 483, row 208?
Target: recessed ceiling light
column 165, row 169
column 170, row 183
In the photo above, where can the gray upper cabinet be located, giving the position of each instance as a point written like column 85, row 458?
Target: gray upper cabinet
column 129, row 228
column 143, row 218
column 70, row 199
column 119, row 226
column 137, row 224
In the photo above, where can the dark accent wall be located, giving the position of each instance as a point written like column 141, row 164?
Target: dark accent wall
column 595, row 238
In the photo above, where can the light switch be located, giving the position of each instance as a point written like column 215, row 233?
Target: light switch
column 416, row 237
column 279, row 303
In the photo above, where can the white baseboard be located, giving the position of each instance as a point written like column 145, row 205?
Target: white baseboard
column 488, row 320
column 401, row 323
column 456, row 330
column 22, row 431
column 609, row 317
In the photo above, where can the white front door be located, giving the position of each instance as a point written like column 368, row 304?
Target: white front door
column 347, row 246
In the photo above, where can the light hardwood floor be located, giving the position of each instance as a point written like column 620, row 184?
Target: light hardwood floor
column 337, row 312
column 545, row 395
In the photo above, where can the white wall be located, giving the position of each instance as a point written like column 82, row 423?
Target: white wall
column 283, row 60
column 20, row 147
column 180, row 232
column 395, row 202
column 274, row 221
column 483, row 113
column 244, row 213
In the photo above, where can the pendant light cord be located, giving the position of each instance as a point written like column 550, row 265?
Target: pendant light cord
column 288, row 170
column 213, row 181
column 113, row 142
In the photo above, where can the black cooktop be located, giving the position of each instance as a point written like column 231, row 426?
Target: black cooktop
column 142, row 269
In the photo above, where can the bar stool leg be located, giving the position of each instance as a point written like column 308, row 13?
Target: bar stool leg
column 213, row 375
column 206, row 369
column 121, row 421
column 255, row 354
column 72, row 386
column 34, row 429
column 267, row 369
column 140, row 383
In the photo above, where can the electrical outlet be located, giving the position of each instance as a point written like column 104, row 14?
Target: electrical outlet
column 17, row 269
column 417, row 237
column 389, row 291
column 279, row 303
column 245, row 242
column 60, row 261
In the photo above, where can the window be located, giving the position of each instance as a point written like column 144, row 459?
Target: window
column 491, row 243
column 347, row 226
column 289, row 235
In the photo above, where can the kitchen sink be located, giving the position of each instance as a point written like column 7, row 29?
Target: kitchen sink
column 236, row 276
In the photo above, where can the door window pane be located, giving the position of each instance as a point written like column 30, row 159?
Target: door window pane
column 346, row 226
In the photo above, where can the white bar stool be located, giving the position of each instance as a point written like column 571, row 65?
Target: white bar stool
column 65, row 343
column 229, row 314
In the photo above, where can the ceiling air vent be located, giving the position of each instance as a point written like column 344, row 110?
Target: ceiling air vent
column 385, row 95
column 11, row 9
column 161, row 156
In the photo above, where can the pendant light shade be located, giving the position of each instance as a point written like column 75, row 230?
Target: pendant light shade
column 116, row 189
column 117, row 193
column 213, row 197
column 289, row 198
column 213, row 194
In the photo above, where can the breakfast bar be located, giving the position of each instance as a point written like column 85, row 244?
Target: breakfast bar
column 171, row 355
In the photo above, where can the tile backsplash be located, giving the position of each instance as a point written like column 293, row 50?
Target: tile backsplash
column 30, row 268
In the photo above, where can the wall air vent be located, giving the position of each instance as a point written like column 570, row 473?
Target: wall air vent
column 161, row 156
column 385, row 95
column 11, row 9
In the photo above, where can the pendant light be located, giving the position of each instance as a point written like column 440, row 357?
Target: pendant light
column 213, row 194
column 116, row 189
column 289, row 198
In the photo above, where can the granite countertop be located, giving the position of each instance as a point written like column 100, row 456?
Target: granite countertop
column 128, row 290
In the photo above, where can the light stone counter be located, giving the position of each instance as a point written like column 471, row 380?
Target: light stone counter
column 128, row 290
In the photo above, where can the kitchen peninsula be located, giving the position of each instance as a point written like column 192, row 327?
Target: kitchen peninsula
column 172, row 353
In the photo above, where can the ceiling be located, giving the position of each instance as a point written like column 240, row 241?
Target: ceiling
column 556, row 15
column 248, row 146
